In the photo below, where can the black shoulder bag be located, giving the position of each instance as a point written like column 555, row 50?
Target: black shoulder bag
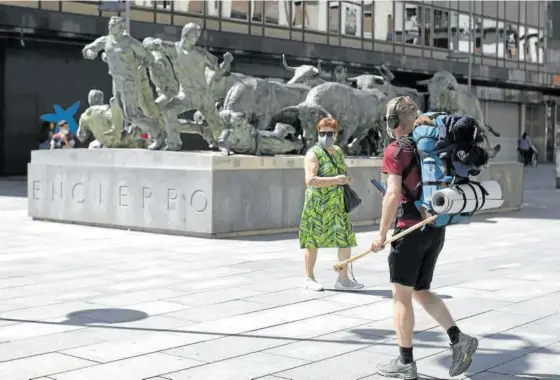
column 351, row 198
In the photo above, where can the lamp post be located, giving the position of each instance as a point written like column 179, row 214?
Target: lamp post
column 471, row 27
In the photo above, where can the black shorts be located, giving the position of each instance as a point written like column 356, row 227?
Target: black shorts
column 413, row 258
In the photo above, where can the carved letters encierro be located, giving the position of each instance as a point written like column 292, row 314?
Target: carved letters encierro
column 122, row 195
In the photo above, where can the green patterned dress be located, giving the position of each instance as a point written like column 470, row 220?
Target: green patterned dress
column 324, row 221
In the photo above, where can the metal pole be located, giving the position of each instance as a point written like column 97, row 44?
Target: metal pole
column 127, row 15
column 470, row 44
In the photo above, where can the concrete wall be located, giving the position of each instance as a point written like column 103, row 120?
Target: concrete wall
column 199, row 194
column 36, row 77
column 506, row 119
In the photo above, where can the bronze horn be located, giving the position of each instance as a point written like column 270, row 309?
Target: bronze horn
column 286, row 64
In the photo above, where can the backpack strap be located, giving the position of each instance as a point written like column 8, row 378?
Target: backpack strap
column 332, row 160
column 406, row 140
column 408, row 208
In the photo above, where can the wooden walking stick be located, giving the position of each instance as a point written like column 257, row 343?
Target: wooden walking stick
column 339, row 266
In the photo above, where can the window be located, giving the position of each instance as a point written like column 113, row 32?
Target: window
column 489, row 37
column 191, row 7
column 412, row 31
column 531, row 45
column 386, row 20
column 334, row 17
column 511, row 35
column 367, row 22
column 540, row 47
column 440, row 31
column 351, row 18
column 462, row 31
column 316, row 12
column 276, row 12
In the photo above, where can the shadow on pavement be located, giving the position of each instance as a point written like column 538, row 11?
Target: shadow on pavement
column 13, row 187
column 492, row 359
column 484, row 360
column 84, row 317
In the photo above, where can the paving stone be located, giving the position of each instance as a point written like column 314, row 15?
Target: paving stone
column 493, row 322
column 362, row 297
column 288, row 296
column 326, row 346
column 492, row 376
column 126, row 348
column 140, row 284
column 218, row 311
column 276, row 285
column 215, row 296
column 311, row 327
column 46, row 312
column 207, row 284
column 466, row 307
column 155, row 323
column 227, row 347
column 159, row 307
column 24, row 369
column 46, row 344
column 269, row 317
column 132, row 298
column 110, row 294
column 242, row 368
column 30, row 330
column 136, row 368
column 538, row 307
column 372, row 312
column 352, row 365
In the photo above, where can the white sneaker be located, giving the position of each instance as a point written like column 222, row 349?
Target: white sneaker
column 313, row 285
column 347, row 285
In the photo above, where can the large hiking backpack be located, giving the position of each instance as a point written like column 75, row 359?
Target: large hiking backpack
column 446, row 154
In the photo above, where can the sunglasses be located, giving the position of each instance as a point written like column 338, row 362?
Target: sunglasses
column 329, row 134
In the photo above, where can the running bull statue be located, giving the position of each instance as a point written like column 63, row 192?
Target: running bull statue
column 356, row 111
column 383, row 83
column 258, row 100
column 247, row 113
column 307, row 74
column 446, row 95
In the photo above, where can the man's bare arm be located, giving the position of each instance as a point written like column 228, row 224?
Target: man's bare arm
column 141, row 51
column 311, row 165
column 390, row 203
column 91, row 50
column 211, row 59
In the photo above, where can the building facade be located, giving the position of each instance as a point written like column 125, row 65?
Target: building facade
column 508, row 50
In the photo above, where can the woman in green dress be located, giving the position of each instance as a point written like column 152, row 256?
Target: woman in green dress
column 324, row 221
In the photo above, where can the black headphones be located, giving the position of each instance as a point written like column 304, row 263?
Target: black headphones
column 393, row 120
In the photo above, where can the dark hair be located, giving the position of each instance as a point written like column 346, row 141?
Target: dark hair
column 524, row 135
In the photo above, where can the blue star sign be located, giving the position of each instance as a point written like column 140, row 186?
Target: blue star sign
column 63, row 114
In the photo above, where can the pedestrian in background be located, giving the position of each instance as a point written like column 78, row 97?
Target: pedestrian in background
column 63, row 139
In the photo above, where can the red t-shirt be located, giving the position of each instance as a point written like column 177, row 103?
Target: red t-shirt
column 396, row 165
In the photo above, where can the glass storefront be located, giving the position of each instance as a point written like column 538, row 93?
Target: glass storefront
column 506, row 34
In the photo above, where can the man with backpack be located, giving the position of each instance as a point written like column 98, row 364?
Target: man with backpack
column 413, row 258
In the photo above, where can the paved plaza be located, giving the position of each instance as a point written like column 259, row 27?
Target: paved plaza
column 99, row 304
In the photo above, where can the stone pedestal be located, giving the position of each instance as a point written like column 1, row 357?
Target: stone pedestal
column 196, row 193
